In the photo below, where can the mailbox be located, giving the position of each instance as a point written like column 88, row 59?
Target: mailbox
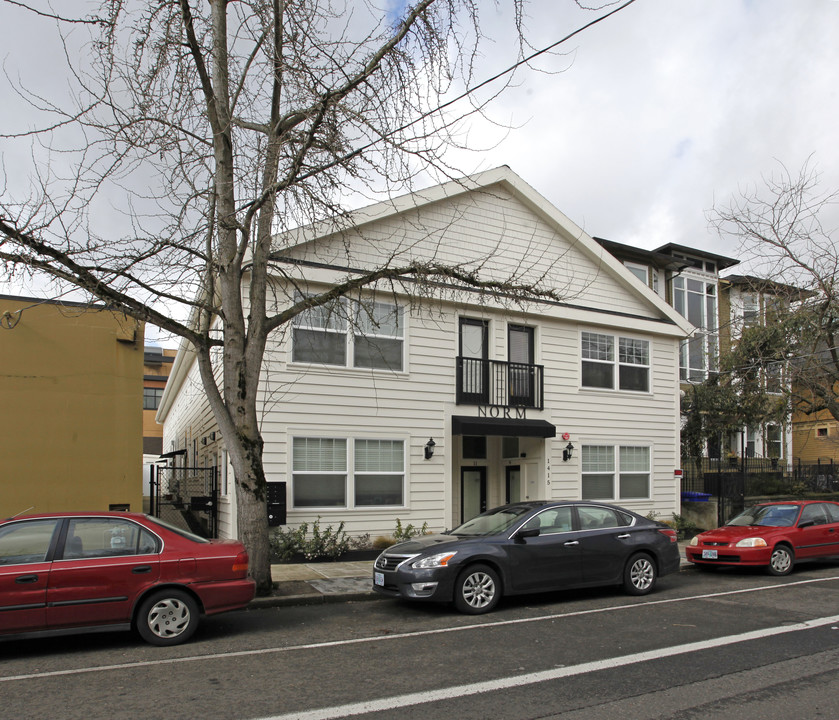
column 276, row 504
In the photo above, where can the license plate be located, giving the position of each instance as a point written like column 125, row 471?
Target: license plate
column 709, row 554
column 378, row 578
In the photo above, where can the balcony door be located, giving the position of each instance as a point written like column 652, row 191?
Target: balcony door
column 474, row 354
column 521, row 381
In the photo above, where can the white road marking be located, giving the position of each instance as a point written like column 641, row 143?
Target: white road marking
column 641, row 604
column 419, row 698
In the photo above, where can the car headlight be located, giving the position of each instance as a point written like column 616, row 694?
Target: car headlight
column 434, row 561
column 694, row 541
column 752, row 542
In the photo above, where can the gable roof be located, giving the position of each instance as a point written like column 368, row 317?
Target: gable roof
column 296, row 241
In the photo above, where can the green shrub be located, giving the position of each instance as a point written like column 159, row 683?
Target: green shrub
column 685, row 529
column 323, row 544
column 409, row 531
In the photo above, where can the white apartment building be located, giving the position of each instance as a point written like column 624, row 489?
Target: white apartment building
column 432, row 409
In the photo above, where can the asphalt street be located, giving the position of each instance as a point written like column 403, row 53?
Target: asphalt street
column 709, row 645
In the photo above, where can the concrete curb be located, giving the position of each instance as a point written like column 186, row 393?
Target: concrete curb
column 315, row 598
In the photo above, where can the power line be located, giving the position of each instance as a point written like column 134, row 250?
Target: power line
column 465, row 94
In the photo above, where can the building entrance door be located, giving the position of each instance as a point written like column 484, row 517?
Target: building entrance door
column 473, row 492
column 513, row 484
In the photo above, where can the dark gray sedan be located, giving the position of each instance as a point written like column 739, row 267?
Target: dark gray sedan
column 526, row 548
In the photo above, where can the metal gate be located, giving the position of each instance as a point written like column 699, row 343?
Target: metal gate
column 186, row 498
column 729, row 487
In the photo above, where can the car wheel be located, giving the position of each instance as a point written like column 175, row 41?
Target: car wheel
column 639, row 575
column 781, row 560
column 167, row 617
column 477, row 590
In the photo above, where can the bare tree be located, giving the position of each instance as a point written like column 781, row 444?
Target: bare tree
column 212, row 128
column 783, row 232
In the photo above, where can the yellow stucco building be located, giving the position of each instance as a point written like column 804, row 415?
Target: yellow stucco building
column 71, row 389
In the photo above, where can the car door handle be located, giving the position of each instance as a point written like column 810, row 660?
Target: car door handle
column 571, row 543
column 26, row 579
column 624, row 536
column 141, row 569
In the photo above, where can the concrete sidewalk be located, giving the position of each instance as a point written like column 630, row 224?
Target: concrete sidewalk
column 333, row 582
column 321, row 582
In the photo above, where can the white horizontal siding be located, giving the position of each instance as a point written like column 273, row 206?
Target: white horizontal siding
column 490, row 231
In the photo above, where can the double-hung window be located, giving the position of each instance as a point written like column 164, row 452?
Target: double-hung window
column 601, row 481
column 774, row 442
column 379, row 472
column 321, row 475
column 615, row 362
column 319, row 472
column 377, row 339
column 320, row 335
column 350, row 333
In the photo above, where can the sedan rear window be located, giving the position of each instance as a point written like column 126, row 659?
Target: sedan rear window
column 178, row 531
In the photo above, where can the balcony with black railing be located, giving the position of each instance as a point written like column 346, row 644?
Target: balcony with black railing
column 499, row 383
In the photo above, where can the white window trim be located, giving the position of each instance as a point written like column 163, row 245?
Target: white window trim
column 633, row 266
column 349, row 483
column 616, row 363
column 617, row 471
column 349, row 333
column 710, row 338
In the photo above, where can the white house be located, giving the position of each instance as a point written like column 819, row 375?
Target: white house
column 431, row 409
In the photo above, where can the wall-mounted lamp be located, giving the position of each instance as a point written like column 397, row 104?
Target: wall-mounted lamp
column 429, row 448
column 566, row 452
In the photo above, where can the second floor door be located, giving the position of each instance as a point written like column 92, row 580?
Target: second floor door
column 474, row 354
column 520, row 370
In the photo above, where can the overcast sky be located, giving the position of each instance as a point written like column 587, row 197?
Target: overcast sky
column 669, row 107
column 659, row 112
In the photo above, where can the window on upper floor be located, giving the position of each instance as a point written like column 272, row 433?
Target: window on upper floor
column 322, row 335
column 151, row 398
column 773, row 375
column 639, row 271
column 611, row 362
column 696, row 299
column 751, row 309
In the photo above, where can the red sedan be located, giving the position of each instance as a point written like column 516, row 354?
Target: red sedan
column 75, row 571
column 775, row 535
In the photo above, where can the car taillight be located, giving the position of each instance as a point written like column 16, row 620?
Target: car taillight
column 240, row 565
column 670, row 533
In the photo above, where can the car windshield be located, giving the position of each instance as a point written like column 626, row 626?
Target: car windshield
column 492, row 522
column 767, row 516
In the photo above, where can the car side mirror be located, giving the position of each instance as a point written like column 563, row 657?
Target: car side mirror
column 806, row 523
column 531, row 532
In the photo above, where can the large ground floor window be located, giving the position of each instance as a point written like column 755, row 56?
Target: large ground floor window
column 342, row 472
column 612, row 472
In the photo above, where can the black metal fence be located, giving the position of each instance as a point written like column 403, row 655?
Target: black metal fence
column 731, row 481
column 186, row 498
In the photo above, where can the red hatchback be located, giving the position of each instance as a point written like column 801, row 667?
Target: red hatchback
column 775, row 535
column 73, row 571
